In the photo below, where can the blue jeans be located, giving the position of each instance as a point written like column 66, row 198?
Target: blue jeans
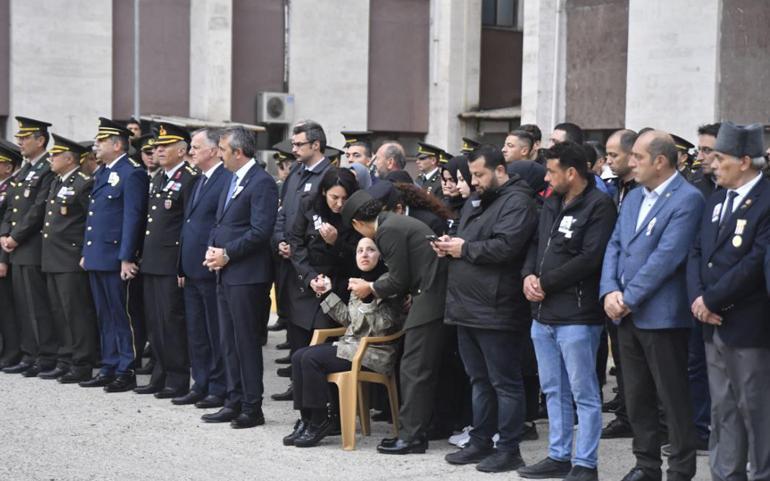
column 566, row 358
column 492, row 360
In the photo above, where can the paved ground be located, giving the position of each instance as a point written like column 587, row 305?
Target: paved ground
column 63, row 432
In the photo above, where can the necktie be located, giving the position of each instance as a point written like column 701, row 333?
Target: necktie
column 199, row 188
column 728, row 208
column 230, row 191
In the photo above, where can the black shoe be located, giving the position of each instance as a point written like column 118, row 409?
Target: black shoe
column 702, row 447
column 313, row 435
column 73, row 377
column 122, row 383
column 287, row 395
column 191, row 397
column 9, row 362
column 283, row 346
column 299, row 428
column 388, row 442
column 612, row 405
column 547, row 468
column 469, row 455
column 399, row 446
column 32, row 371
column 210, row 402
column 639, row 474
column 284, row 371
column 54, row 373
column 248, row 420
column 169, row 393
column 278, row 325
column 283, row 360
column 100, row 380
column 529, row 432
column 617, row 429
column 147, row 368
column 581, row 473
column 17, row 368
column 224, row 415
column 500, row 462
column 146, row 389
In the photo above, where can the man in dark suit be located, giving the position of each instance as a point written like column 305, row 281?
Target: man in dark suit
column 239, row 252
column 10, row 159
column 703, row 175
column 644, row 292
column 428, row 160
column 200, row 290
column 729, row 296
column 413, row 270
column 20, row 238
column 170, row 190
column 68, row 288
column 390, row 162
column 114, row 233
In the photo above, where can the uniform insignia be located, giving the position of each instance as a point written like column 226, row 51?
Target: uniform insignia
column 63, row 210
column 167, row 204
column 162, row 131
column 26, row 193
column 191, row 170
column 113, row 179
column 740, row 225
column 84, row 176
column 737, row 241
column 134, row 163
column 177, row 175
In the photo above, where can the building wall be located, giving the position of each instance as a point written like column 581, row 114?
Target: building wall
column 5, row 56
column 211, row 33
column 60, row 65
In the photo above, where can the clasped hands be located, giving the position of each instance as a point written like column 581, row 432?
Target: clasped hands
column 614, row 306
column 215, row 258
column 8, row 243
column 703, row 314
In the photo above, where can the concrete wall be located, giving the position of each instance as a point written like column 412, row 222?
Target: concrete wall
column 61, row 64
column 328, row 63
column 672, row 64
column 5, row 56
column 211, row 35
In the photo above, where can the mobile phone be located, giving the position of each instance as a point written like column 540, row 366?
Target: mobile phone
column 431, row 238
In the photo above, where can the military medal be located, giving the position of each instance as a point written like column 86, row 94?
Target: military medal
column 63, row 210
column 737, row 241
column 740, row 224
column 167, row 204
column 26, row 193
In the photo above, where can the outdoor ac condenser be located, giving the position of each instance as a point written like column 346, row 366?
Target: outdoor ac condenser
column 275, row 108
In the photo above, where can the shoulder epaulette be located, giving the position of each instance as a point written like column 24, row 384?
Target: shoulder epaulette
column 134, row 163
column 191, row 170
column 84, row 176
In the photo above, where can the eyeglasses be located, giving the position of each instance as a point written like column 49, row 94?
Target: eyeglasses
column 300, row 144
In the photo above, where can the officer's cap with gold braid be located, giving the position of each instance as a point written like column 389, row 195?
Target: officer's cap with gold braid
column 108, row 128
column 87, row 144
column 283, row 151
column 9, row 153
column 352, row 137
column 469, row 145
column 171, row 134
column 29, row 126
column 427, row 150
column 145, row 143
column 61, row 145
column 682, row 144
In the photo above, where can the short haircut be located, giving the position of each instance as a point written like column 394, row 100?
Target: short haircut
column 211, row 135
column 241, row 138
column 493, row 157
column 394, row 150
column 123, row 141
column 627, row 139
column 663, row 144
column 570, row 154
column 524, row 136
column 709, row 129
column 312, row 130
column 573, row 131
column 366, row 145
column 532, row 130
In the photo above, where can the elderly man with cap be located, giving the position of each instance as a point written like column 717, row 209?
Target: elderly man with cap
column 10, row 159
column 429, row 157
column 68, row 288
column 170, row 190
column 728, row 292
column 20, row 237
column 114, row 232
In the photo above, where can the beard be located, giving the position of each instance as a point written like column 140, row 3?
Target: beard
column 490, row 193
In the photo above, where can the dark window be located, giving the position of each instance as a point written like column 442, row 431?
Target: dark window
column 500, row 13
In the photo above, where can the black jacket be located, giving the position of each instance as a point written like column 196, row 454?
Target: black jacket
column 567, row 254
column 705, row 183
column 484, row 287
column 65, row 223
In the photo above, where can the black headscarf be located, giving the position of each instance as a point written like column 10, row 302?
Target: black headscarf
column 460, row 163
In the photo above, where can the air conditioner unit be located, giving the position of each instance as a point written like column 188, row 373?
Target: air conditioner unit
column 275, row 108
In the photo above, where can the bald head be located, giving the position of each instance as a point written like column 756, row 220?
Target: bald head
column 653, row 159
column 389, row 158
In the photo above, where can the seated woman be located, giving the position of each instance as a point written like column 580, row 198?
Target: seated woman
column 310, row 365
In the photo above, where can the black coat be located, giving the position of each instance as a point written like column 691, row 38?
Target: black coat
column 438, row 225
column 485, row 288
column 726, row 268
column 566, row 253
column 704, row 183
column 6, row 188
column 311, row 256
column 65, row 223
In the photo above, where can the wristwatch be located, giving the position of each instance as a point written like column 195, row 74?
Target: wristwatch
column 225, row 256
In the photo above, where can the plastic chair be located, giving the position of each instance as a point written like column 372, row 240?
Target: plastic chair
column 353, row 398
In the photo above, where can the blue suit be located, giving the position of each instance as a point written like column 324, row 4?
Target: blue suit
column 200, row 295
column 648, row 266
column 243, row 227
column 114, row 233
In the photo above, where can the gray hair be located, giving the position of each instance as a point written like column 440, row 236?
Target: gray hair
column 241, row 138
column 758, row 163
column 211, row 135
column 394, row 150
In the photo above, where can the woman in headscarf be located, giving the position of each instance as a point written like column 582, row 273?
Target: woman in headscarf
column 362, row 175
column 455, row 183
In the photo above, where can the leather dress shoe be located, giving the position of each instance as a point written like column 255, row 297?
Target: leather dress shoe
column 122, row 383
column 639, row 474
column 17, row 368
column 299, row 428
column 32, row 371
column 283, row 346
column 9, row 362
column 54, row 373
column 500, row 462
column 284, row 371
column 210, row 402
column 399, row 446
column 469, row 455
column 169, row 393
column 617, row 429
column 147, row 368
column 313, row 435
column 612, row 405
column 287, row 395
column 146, row 389
column 224, row 415
column 388, row 442
column 248, row 420
column 100, row 380
column 278, row 325
column 191, row 397
column 73, row 377
column 283, row 360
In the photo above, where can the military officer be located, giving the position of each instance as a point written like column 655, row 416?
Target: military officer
column 20, row 237
column 10, row 159
column 469, row 145
column 68, row 289
column 114, row 230
column 428, row 159
column 163, row 298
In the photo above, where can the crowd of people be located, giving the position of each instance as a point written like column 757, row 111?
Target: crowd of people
column 512, row 272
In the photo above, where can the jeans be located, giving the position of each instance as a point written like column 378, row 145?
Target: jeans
column 566, row 355
column 492, row 360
